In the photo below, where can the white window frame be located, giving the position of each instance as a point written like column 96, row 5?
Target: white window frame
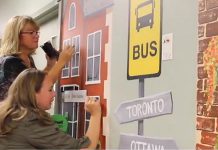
column 94, row 56
column 75, row 121
column 66, row 66
column 70, row 17
column 74, row 58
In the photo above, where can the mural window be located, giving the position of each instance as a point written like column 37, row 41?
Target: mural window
column 94, row 57
column 66, row 71
column 71, row 110
column 76, row 58
column 88, row 115
column 72, row 16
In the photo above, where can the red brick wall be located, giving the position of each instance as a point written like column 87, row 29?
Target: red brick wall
column 207, row 121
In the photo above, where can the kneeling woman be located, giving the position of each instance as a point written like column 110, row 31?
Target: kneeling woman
column 25, row 124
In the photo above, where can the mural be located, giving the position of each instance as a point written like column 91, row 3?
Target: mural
column 207, row 89
column 84, row 24
column 210, row 63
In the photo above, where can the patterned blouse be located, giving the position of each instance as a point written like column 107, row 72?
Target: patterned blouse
column 10, row 68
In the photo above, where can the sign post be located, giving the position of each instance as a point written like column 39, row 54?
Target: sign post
column 144, row 61
column 141, row 94
column 145, row 40
column 134, row 142
column 145, row 107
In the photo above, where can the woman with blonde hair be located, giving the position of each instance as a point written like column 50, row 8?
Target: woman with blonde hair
column 19, row 42
column 25, row 124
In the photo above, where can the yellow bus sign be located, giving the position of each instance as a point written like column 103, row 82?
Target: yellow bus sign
column 145, row 34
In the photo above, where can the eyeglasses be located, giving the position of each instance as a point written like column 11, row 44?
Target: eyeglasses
column 33, row 33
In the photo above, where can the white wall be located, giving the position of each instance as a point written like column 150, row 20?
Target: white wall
column 177, row 75
column 10, row 8
column 47, row 31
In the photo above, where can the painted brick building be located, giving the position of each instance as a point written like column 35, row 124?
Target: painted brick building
column 207, row 89
column 85, row 26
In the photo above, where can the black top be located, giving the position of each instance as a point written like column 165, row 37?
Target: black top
column 10, row 68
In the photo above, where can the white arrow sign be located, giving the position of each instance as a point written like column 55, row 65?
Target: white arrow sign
column 145, row 107
column 135, row 142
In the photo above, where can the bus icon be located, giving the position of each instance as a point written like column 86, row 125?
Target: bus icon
column 145, row 14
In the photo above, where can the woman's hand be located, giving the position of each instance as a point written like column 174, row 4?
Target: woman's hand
column 64, row 58
column 93, row 106
column 50, row 62
column 66, row 54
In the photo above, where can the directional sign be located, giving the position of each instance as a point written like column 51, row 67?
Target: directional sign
column 145, row 107
column 144, row 48
column 74, row 96
column 134, row 142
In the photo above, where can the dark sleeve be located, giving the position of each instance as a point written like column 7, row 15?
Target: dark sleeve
column 13, row 67
column 50, row 137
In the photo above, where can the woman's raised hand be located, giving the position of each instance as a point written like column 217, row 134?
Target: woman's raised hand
column 66, row 54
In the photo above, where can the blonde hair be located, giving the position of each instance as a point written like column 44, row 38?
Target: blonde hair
column 20, row 102
column 10, row 40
